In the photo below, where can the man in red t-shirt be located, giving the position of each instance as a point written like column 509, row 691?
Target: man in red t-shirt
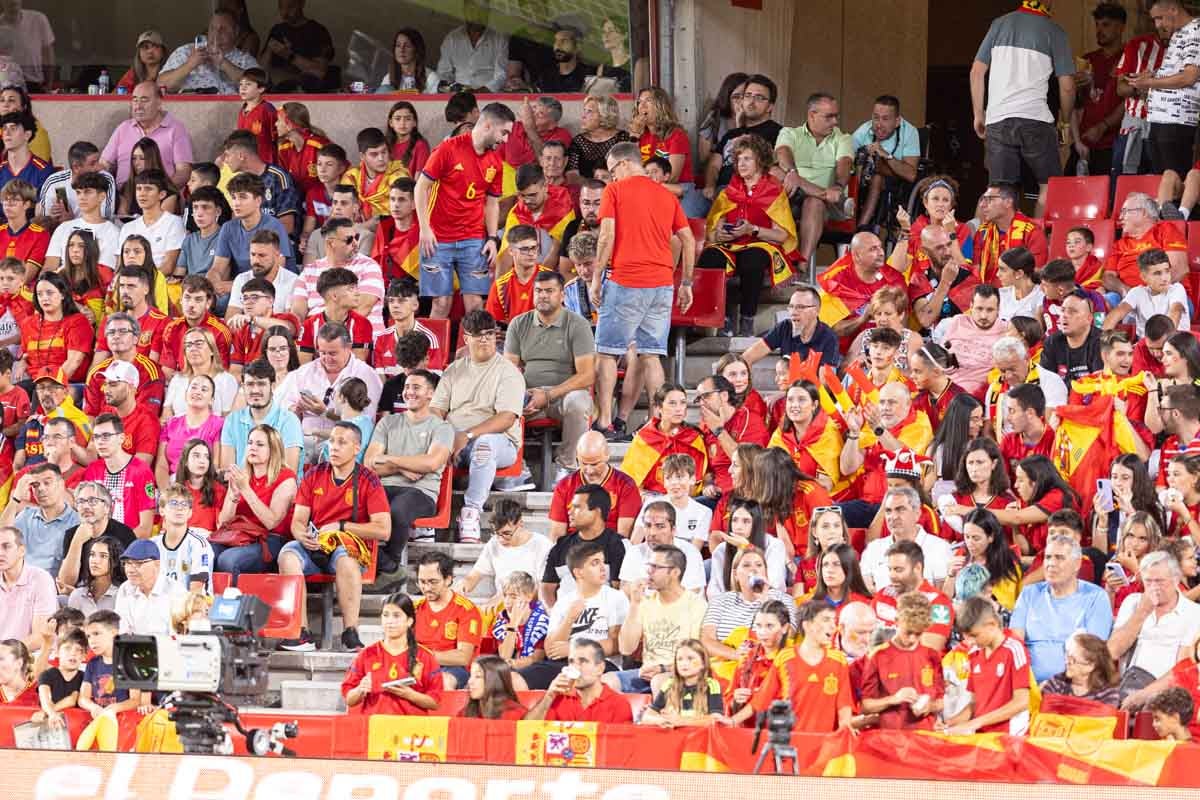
column 1142, row 230
column 335, row 498
column 999, row 677
column 725, row 426
column 1029, row 435
column 582, row 696
column 592, row 454
column 458, row 228
column 1103, row 108
column 196, row 303
column 906, row 570
column 638, row 219
column 141, row 423
column 511, row 294
column 447, row 622
column 902, row 679
column 251, row 323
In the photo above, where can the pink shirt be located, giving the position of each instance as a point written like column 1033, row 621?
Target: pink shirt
column 171, row 136
column 33, row 35
column 370, row 281
column 973, row 349
column 34, row 594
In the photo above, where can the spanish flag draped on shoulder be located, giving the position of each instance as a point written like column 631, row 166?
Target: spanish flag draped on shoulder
column 1088, row 439
column 816, row 450
column 650, row 446
column 557, row 213
column 765, row 204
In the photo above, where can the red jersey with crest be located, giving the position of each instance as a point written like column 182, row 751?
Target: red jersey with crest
column 358, row 326
column 382, row 666
column 442, row 630
column 176, row 329
column 994, row 679
column 28, row 244
column 150, row 324
column 890, row 668
column 261, row 122
column 942, row 613
column 331, row 501
column 511, row 297
column 302, row 164
column 248, row 339
column 817, row 692
column 624, row 498
column 465, row 179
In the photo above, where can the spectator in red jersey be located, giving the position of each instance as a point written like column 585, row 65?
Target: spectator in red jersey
column 132, row 288
column 511, row 293
column 1148, row 350
column 58, row 336
column 20, row 237
column 1028, row 434
column 490, row 691
column 577, row 694
column 338, row 288
column 339, row 506
column 592, row 454
column 446, row 622
column 14, row 410
column 772, row 628
column 298, row 142
column 396, row 244
column 999, row 679
column 1142, row 229
column 546, row 207
column 256, row 114
column 343, row 249
column 404, row 138
column 196, row 471
column 18, row 684
column 122, row 332
column 1102, row 109
column 395, row 675
column 140, row 423
column 1042, row 490
column 256, row 314
column 402, row 302
column 130, row 480
column 331, row 163
column 902, row 679
column 459, row 227
column 196, row 304
column 906, row 570
column 637, row 221
column 1179, row 409
column 930, row 368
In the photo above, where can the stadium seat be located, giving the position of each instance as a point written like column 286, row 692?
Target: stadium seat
column 1102, row 229
column 1133, row 183
column 441, row 329
column 707, row 311
column 454, row 702
column 1143, row 726
column 514, row 471
column 282, row 593
column 1074, row 198
column 545, row 428
column 326, row 582
column 221, row 582
column 441, row 517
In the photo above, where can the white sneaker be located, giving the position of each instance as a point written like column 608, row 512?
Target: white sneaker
column 421, row 535
column 561, row 474
column 468, row 525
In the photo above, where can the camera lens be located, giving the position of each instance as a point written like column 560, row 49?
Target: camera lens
column 139, row 661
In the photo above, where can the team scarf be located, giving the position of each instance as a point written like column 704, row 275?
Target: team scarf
column 998, row 388
column 820, row 442
column 1034, row 7
column 736, row 202
column 993, row 243
column 557, row 213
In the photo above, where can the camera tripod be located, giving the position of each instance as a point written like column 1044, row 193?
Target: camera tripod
column 779, row 722
column 781, row 752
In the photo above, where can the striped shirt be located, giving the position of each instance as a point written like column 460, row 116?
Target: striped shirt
column 1142, row 54
column 370, row 281
column 47, row 197
column 729, row 611
column 532, row 634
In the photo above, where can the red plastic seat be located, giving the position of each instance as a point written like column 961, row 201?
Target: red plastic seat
column 326, row 582
column 282, row 593
column 514, row 471
column 1103, row 229
column 439, row 358
column 699, row 230
column 441, row 517
column 707, row 311
column 1193, row 237
column 1143, row 726
column 1074, row 198
column 858, row 540
column 221, row 582
column 1133, row 183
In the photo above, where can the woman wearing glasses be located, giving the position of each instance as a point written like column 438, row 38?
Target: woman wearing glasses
column 1091, row 673
column 201, row 356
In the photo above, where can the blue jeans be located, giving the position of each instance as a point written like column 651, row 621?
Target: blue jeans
column 311, row 567
column 463, row 258
column 247, row 558
column 632, row 682
column 628, row 316
column 482, row 457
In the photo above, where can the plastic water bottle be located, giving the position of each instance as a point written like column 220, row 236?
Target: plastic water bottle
column 104, row 82
column 1082, row 168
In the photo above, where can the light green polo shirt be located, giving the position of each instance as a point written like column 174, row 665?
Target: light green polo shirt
column 816, row 162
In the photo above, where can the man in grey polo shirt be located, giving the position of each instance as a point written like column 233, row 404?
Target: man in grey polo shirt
column 556, row 350
column 409, row 451
column 43, row 522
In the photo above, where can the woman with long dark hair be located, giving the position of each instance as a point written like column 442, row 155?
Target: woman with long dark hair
column 721, row 113
column 100, row 575
column 148, row 56
column 1132, row 490
column 87, row 276
column 809, row 436
column 1181, row 501
column 403, row 135
column 963, row 421
column 747, row 529
column 772, row 629
column 136, row 252
column 986, row 563
column 733, row 368
column 57, row 336
column 840, row 580
column 1020, row 295
column 379, row 689
column 747, row 485
column 789, row 499
column 929, row 369
column 1042, row 490
column 980, row 481
column 826, row 528
column 197, row 472
column 1181, row 366
column 409, row 71
column 145, row 155
column 490, row 691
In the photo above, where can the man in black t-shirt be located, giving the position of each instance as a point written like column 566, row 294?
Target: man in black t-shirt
column 568, row 72
column 758, row 101
column 587, row 513
column 1074, row 349
column 300, row 52
column 94, row 503
column 412, row 352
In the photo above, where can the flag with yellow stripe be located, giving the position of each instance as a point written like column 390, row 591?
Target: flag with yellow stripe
column 1088, row 439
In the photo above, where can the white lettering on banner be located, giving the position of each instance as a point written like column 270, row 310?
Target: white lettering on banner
column 510, row 790
column 122, row 778
column 355, row 787
column 66, row 783
column 296, row 785
column 440, row 788
column 239, row 779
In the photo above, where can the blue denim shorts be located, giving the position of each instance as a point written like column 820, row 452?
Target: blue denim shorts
column 463, row 258
column 311, row 567
column 637, row 316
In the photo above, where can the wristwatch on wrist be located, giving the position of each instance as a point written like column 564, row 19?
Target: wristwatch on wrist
column 718, row 431
column 470, row 436
column 686, row 282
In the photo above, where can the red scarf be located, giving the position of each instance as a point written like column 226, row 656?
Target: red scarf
column 558, row 205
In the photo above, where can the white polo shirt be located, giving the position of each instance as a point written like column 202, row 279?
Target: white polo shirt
column 149, row 614
column 1158, row 643
column 937, row 559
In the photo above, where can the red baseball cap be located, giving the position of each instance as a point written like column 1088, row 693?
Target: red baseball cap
column 55, row 374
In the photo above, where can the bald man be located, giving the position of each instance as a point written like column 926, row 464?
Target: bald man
column 942, row 274
column 877, row 432
column 847, row 286
column 592, row 455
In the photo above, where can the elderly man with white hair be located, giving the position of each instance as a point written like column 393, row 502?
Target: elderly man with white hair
column 858, row 623
column 1010, row 357
column 902, row 512
column 1156, row 627
column 1142, row 230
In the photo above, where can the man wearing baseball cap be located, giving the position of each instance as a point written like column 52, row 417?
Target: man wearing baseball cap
column 141, row 423
column 146, row 599
column 54, row 400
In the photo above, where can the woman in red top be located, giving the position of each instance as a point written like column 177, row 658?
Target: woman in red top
column 733, row 368
column 394, row 675
column 659, row 133
column 257, row 507
column 197, row 472
column 839, row 580
column 490, row 691
column 747, row 485
column 826, row 530
column 17, row 684
column 1181, row 500
column 980, row 481
column 404, row 137
column 939, row 197
column 772, row 628
column 57, row 336
column 789, row 499
column 808, row 435
column 961, row 422
column 89, row 279
column 1041, row 491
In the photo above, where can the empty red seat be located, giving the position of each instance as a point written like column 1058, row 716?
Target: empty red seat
column 282, row 593
column 514, row 470
column 1103, row 229
column 1075, row 198
column 1147, row 184
column 1193, row 237
column 441, row 517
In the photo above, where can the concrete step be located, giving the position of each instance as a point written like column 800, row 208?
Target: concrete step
column 314, row 695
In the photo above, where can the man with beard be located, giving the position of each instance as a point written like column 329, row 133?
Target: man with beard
column 545, row 208
column 94, row 503
column 1074, row 349
column 1003, row 228
column 568, row 73
column 266, row 263
column 587, row 221
column 140, row 423
column 910, row 559
column 1179, row 409
column 459, row 228
column 260, row 409
column 555, row 349
column 133, row 292
column 1118, row 378
column 942, row 277
column 758, row 101
column 970, row 337
column 847, row 286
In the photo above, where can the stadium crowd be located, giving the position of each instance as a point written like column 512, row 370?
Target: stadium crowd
column 977, row 484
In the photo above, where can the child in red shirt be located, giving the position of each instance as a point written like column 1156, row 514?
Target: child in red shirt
column 902, row 680
column 999, row 677
column 14, row 410
column 395, row 675
column 256, row 114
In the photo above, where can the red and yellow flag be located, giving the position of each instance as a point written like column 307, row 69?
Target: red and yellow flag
column 406, row 738
column 768, row 203
column 818, row 449
column 1087, row 441
column 643, row 460
column 557, row 213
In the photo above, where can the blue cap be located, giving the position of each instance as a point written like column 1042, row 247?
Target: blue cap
column 141, row 550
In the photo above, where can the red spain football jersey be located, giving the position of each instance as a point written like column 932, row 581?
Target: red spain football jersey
column 173, row 334
column 464, row 181
column 442, row 630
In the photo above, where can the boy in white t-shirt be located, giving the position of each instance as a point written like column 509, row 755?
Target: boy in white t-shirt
column 692, row 520
column 512, row 548
column 1158, row 295
column 163, row 230
column 185, row 557
column 594, row 611
column 91, row 189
